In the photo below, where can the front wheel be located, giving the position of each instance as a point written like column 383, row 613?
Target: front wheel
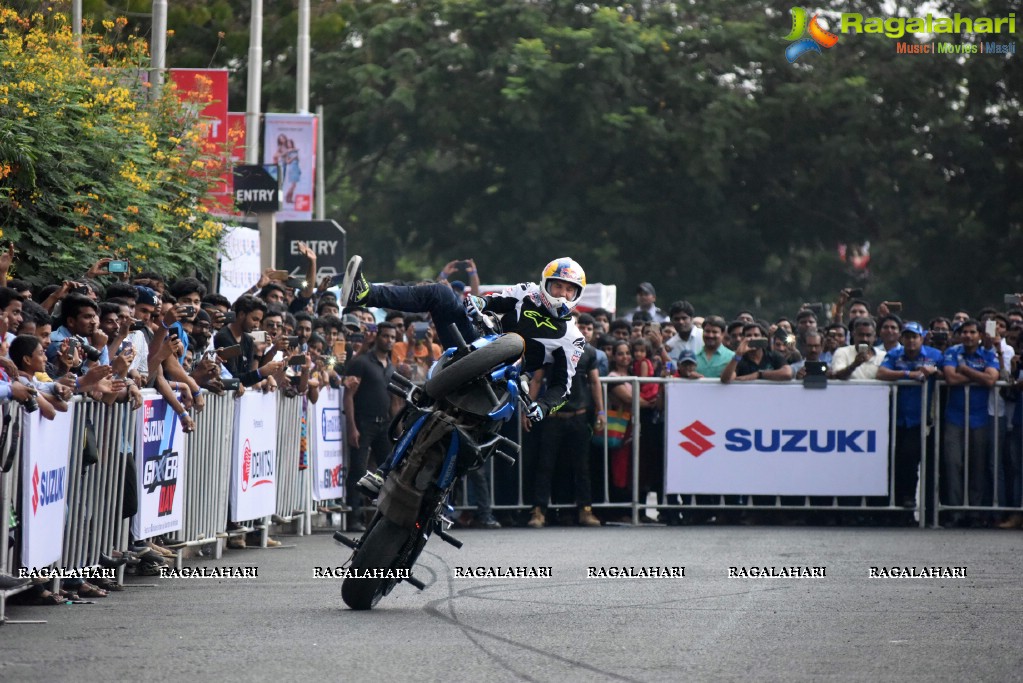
column 379, row 550
column 504, row 349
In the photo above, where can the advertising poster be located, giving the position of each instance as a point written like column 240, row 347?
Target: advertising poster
column 160, row 463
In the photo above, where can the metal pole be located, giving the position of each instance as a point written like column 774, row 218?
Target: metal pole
column 158, row 48
column 76, row 21
column 255, row 84
column 321, row 181
column 302, row 68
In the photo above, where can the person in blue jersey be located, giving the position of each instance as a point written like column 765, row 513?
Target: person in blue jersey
column 911, row 360
column 971, row 371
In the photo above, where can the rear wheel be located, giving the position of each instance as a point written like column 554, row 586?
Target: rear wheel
column 504, row 349
column 379, row 550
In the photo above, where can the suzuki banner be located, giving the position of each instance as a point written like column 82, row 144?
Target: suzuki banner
column 776, row 440
column 160, row 464
column 44, row 484
column 254, row 457
column 328, row 461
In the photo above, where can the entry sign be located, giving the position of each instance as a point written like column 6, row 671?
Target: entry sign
column 326, row 238
column 255, row 190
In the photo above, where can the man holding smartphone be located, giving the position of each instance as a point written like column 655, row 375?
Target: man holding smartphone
column 859, row 360
column 755, row 360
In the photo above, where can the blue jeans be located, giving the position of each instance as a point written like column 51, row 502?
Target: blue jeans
column 440, row 301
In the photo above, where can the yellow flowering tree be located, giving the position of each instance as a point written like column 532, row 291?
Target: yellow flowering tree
column 92, row 165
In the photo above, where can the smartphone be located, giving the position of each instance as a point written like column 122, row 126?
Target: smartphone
column 862, row 348
column 854, row 292
column 280, row 275
column 357, row 337
column 298, row 360
column 137, row 325
column 125, row 346
column 259, row 336
column 815, row 368
column 894, row 305
column 292, row 342
column 1012, row 299
column 339, row 349
column 421, row 330
column 229, row 317
column 81, row 289
column 991, row 328
column 228, row 352
column 939, row 337
column 370, row 327
column 187, row 310
column 759, row 343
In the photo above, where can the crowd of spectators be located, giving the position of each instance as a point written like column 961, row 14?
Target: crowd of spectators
column 105, row 336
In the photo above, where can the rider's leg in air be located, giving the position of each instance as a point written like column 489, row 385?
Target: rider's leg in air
column 439, row 300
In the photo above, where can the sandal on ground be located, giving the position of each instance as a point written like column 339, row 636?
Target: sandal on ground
column 88, row 590
column 36, row 598
column 107, row 585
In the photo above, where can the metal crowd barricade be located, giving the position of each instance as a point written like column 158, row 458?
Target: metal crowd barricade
column 294, row 487
column 1001, row 495
column 95, row 493
column 208, row 474
column 9, row 452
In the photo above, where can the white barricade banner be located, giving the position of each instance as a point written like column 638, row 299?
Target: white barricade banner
column 328, row 462
column 254, row 457
column 160, row 464
column 44, row 487
column 776, row 440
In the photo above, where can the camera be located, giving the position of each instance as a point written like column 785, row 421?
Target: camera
column 92, row 354
column 30, row 404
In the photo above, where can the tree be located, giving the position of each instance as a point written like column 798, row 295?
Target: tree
column 92, row 165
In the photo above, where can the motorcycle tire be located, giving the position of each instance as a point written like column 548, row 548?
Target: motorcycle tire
column 379, row 550
column 505, row 348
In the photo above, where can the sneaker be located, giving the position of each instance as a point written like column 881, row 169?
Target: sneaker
column 354, row 287
column 488, row 523
column 537, row 520
column 587, row 518
column 370, row 484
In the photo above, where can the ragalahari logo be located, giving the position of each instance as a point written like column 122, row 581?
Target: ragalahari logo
column 817, row 39
column 696, row 434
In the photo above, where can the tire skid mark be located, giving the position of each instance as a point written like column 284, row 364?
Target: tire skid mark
column 433, row 608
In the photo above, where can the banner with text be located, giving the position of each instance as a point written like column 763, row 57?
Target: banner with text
column 328, row 462
column 254, row 457
column 776, row 439
column 44, row 483
column 160, row 464
column 289, row 143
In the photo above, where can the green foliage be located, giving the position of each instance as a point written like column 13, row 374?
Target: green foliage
column 90, row 164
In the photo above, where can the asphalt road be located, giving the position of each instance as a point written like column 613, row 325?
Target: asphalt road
column 288, row 625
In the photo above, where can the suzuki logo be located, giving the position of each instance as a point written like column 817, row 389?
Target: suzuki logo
column 696, row 433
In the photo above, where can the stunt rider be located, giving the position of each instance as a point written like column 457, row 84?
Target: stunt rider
column 540, row 314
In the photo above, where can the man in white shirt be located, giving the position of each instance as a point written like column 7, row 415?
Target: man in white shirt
column 859, row 360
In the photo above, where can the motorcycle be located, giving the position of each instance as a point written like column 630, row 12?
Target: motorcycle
column 446, row 428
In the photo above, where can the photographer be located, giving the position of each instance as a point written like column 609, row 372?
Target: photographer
column 754, row 360
column 859, row 360
column 248, row 315
column 28, row 356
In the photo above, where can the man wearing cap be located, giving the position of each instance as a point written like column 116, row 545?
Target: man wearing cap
column 714, row 356
column 646, row 297
column 911, row 360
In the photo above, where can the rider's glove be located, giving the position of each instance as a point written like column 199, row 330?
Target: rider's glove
column 474, row 306
column 534, row 412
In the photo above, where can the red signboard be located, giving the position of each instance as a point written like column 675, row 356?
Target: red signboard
column 206, row 91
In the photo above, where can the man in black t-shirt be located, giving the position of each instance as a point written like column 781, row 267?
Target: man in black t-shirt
column 754, row 360
column 368, row 414
column 248, row 312
column 568, row 432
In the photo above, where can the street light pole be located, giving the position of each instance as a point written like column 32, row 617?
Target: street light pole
column 158, row 49
column 302, row 67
